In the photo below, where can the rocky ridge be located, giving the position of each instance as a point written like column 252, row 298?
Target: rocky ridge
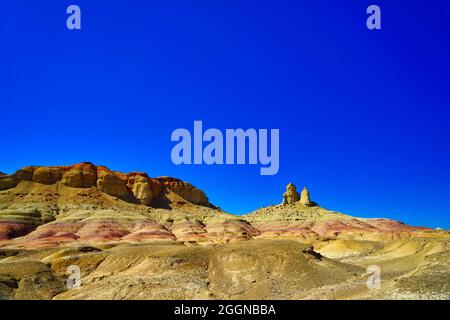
column 137, row 237
column 134, row 187
column 88, row 204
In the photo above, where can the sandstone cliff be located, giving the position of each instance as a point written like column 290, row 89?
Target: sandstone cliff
column 133, row 187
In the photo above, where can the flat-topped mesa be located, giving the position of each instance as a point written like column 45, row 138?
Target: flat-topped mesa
column 135, row 187
column 291, row 196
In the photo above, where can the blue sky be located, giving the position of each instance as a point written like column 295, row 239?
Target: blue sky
column 363, row 115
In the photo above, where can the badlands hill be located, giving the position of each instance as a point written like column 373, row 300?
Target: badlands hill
column 50, row 206
column 137, row 237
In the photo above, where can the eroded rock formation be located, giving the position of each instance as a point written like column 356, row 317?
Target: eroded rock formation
column 83, row 175
column 305, row 198
column 291, row 195
column 110, row 224
column 145, row 189
column 134, row 187
column 84, row 203
column 184, row 190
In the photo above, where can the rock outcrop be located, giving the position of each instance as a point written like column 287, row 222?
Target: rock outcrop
column 84, row 203
column 291, row 195
column 137, row 237
column 8, row 181
column 112, row 184
column 184, row 190
column 305, row 198
column 83, row 175
column 47, row 175
column 134, row 187
column 146, row 190
column 25, row 173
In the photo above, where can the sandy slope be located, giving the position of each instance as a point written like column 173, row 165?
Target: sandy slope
column 255, row 269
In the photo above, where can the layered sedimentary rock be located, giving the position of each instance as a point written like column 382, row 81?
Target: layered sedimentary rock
column 132, row 187
column 83, row 175
column 146, row 190
column 8, row 182
column 184, row 190
column 47, row 175
column 48, row 206
column 136, row 237
column 316, row 223
column 86, row 204
column 112, row 184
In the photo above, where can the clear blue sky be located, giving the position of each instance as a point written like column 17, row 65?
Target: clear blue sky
column 363, row 115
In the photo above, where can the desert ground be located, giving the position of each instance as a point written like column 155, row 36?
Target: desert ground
column 136, row 237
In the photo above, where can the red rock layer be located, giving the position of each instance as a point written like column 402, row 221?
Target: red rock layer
column 9, row 230
column 96, row 231
column 380, row 229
